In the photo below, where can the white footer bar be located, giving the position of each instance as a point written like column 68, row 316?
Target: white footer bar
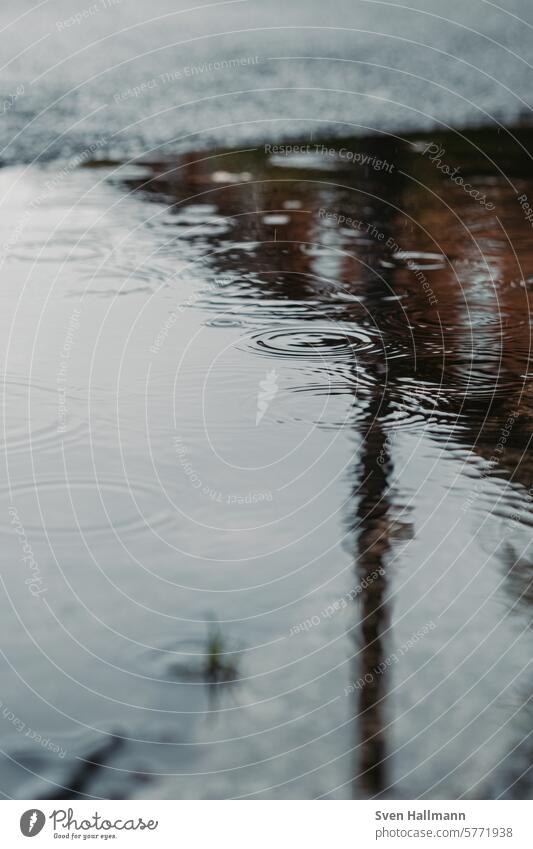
column 268, row 824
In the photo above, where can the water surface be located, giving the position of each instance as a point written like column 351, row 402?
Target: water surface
column 289, row 394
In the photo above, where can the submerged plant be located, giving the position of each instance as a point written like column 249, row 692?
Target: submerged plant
column 221, row 663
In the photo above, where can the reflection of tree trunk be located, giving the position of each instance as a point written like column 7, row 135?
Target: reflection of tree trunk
column 372, row 523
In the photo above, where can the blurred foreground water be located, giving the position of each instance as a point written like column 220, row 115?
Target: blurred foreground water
column 289, row 393
column 169, row 75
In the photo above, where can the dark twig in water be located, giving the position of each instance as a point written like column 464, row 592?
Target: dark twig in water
column 77, row 786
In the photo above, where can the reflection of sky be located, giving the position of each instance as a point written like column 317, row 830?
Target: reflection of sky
column 81, row 73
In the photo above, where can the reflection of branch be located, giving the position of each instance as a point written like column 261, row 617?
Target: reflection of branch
column 78, row 784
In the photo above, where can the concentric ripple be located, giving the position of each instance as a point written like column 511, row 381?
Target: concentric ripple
column 90, row 507
column 327, row 342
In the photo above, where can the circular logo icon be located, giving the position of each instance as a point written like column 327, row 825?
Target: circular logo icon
column 32, row 822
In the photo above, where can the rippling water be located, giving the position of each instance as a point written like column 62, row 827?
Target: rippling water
column 289, row 395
